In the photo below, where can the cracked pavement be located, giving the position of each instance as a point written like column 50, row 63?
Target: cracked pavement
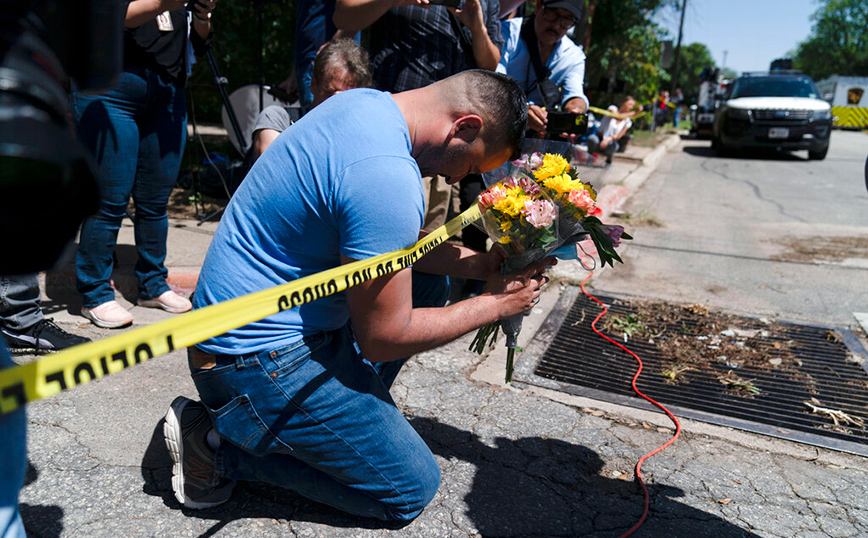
column 516, row 462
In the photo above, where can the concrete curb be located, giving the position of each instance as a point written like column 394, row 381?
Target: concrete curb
column 650, row 162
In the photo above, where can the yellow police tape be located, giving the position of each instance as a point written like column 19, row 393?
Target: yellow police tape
column 78, row 365
column 604, row 112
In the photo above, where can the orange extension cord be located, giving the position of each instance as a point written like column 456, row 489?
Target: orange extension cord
column 635, row 377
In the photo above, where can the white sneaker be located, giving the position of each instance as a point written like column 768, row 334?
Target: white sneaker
column 168, row 301
column 110, row 315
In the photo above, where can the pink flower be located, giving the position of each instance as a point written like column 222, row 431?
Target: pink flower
column 539, row 213
column 581, row 199
column 614, row 233
column 531, row 162
column 491, row 197
column 509, row 182
column 529, row 186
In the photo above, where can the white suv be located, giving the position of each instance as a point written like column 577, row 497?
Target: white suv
column 773, row 110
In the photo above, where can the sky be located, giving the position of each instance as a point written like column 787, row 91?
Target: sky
column 744, row 35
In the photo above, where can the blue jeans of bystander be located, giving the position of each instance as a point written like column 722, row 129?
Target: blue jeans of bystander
column 13, row 464
column 20, row 301
column 136, row 132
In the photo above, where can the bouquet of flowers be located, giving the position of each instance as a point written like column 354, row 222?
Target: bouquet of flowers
column 540, row 208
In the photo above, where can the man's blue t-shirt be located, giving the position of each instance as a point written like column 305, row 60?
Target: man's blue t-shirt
column 340, row 181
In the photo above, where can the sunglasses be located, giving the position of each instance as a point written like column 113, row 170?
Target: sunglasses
column 565, row 22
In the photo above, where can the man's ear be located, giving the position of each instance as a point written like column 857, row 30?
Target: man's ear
column 466, row 127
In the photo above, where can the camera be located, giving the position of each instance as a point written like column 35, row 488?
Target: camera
column 46, row 179
column 447, row 3
column 567, row 122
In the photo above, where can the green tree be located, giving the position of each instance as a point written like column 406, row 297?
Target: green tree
column 838, row 43
column 693, row 59
column 236, row 50
column 625, row 45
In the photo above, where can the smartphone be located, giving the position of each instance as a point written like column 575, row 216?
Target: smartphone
column 448, row 3
column 567, row 122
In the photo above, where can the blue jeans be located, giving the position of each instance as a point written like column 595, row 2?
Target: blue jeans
column 317, row 418
column 20, row 302
column 13, row 464
column 136, row 133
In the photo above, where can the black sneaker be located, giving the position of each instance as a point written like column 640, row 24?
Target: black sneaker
column 194, row 480
column 43, row 337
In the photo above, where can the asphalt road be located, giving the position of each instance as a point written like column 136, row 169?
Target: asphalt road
column 764, row 233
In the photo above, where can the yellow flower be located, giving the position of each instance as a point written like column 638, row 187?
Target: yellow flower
column 562, row 184
column 552, row 165
column 505, row 226
column 512, row 203
column 504, row 240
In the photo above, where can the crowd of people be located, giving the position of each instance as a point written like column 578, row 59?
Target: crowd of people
column 301, row 399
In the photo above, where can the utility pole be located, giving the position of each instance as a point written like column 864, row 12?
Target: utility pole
column 724, row 60
column 678, row 50
column 586, row 22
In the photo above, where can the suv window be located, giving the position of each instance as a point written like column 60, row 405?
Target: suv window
column 774, row 86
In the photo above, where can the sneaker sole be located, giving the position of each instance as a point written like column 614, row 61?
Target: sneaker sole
column 175, row 445
column 105, row 324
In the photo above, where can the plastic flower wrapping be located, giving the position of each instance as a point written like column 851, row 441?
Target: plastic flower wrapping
column 540, row 207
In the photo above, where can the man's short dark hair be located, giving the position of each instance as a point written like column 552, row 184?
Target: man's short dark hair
column 501, row 103
column 344, row 55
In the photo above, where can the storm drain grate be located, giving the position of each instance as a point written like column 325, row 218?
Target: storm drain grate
column 790, row 381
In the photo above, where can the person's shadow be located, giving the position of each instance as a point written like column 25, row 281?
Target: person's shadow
column 754, row 154
column 526, row 487
column 548, row 487
column 40, row 520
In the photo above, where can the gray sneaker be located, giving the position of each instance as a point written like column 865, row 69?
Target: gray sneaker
column 194, row 480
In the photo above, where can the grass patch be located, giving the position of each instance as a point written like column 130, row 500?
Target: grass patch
column 647, row 139
column 642, row 218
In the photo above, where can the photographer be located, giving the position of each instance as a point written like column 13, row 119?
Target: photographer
column 136, row 133
column 547, row 64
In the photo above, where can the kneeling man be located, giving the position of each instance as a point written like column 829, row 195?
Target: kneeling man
column 301, row 399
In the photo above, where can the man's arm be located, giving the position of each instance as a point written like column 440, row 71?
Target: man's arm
column 462, row 262
column 387, row 327
column 356, row 15
column 485, row 52
column 262, row 138
column 141, row 11
column 571, row 76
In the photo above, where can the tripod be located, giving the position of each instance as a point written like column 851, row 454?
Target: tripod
column 220, row 81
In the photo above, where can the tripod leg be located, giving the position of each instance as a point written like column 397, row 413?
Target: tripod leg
column 221, row 85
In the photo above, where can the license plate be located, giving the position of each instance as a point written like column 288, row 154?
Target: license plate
column 779, row 132
column 705, row 118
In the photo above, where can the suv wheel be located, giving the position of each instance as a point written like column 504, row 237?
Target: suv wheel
column 719, row 148
column 818, row 155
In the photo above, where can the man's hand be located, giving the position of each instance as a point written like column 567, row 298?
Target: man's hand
column 387, row 327
column 470, row 15
column 537, row 118
column 519, row 292
column 576, row 105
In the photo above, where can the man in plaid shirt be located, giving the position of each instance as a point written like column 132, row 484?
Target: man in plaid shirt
column 414, row 44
